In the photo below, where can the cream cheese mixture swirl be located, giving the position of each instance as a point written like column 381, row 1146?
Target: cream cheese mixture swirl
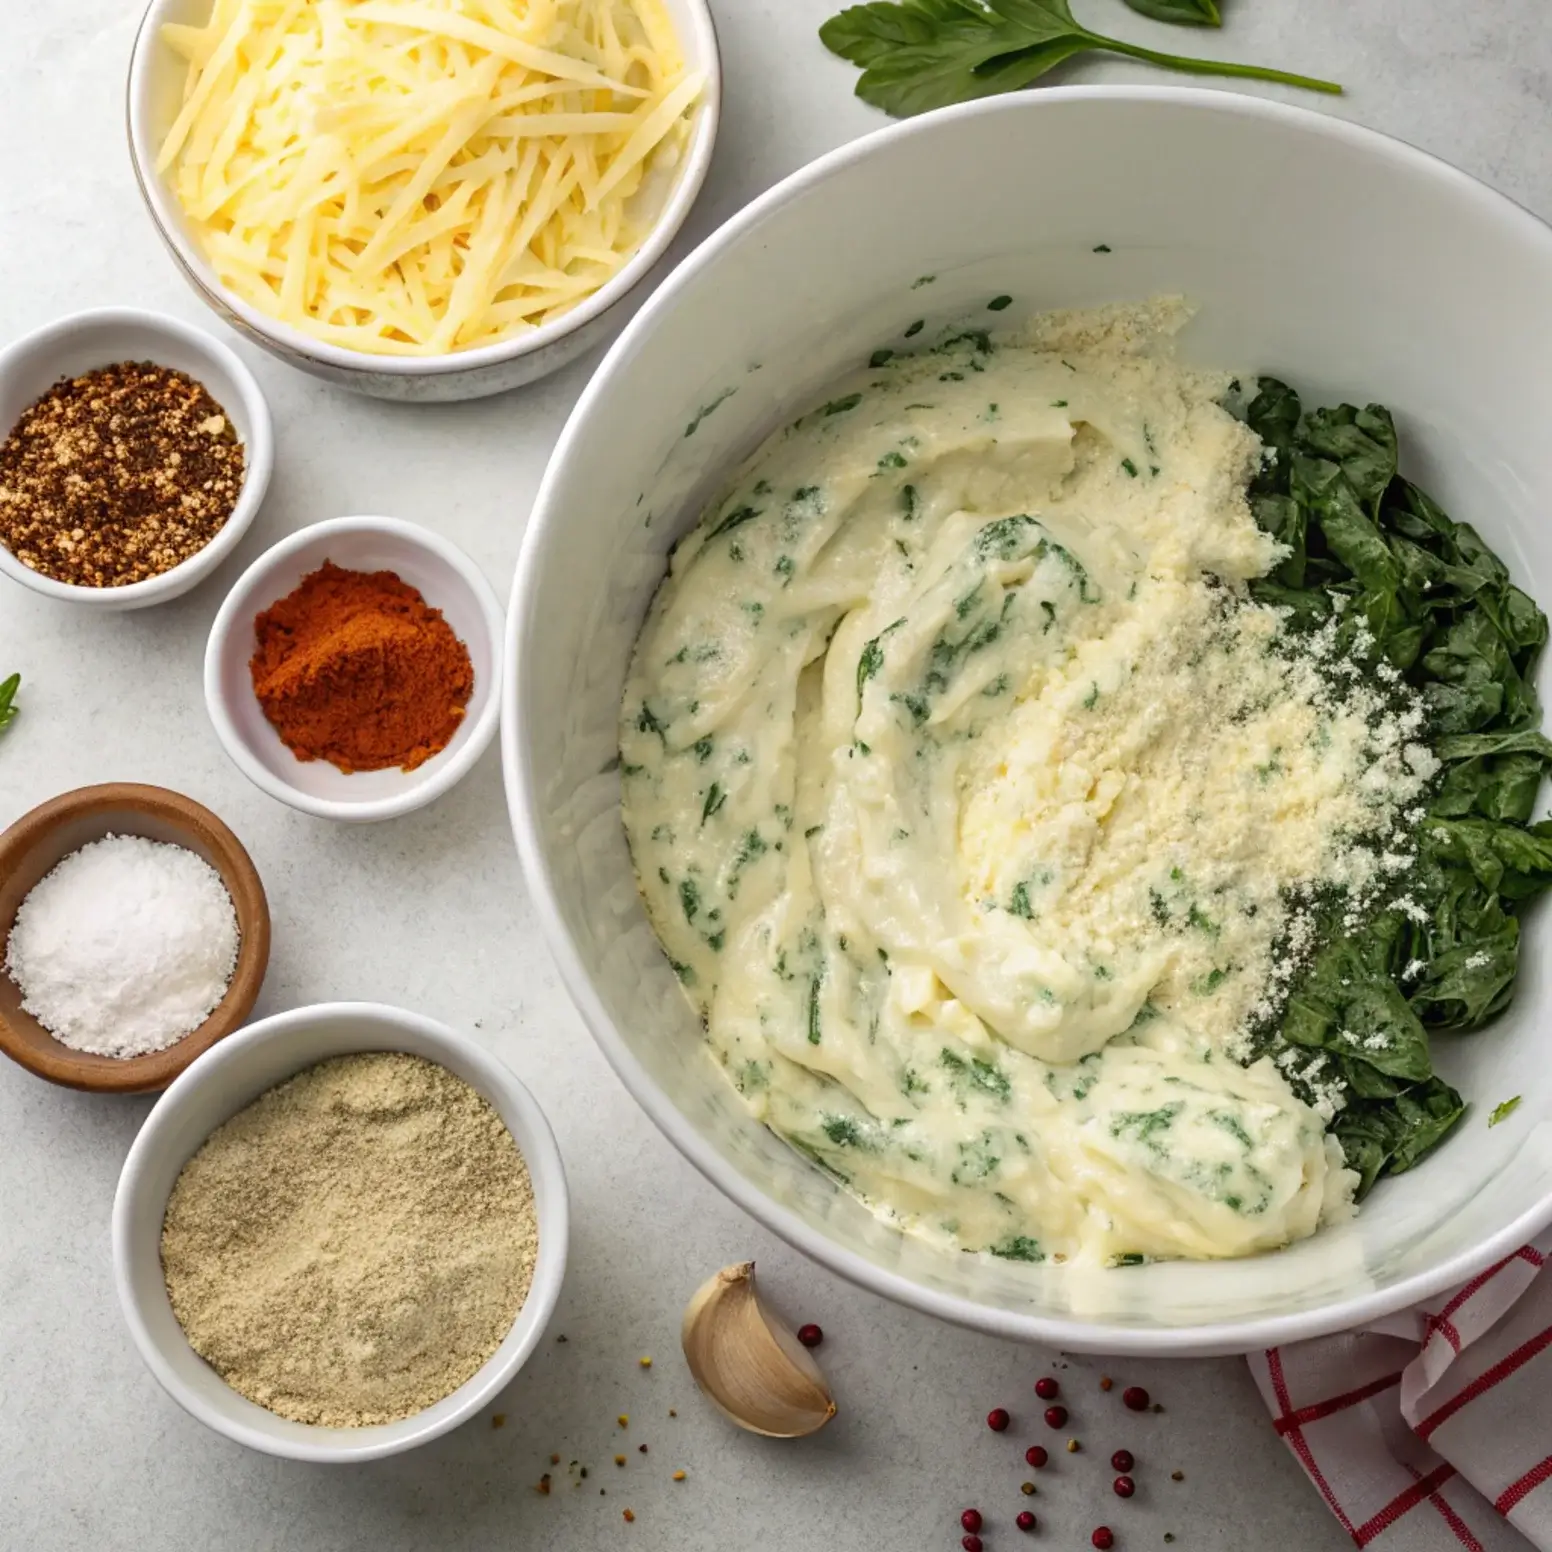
column 968, row 791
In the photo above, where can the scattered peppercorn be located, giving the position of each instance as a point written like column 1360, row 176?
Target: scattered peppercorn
column 810, row 1335
column 971, row 1519
column 646, row 1363
column 1024, row 1520
column 642, row 1448
column 678, row 1476
column 1073, row 1446
column 118, row 475
column 997, row 1419
column 1056, row 1417
column 619, row 1460
column 623, row 1420
column 970, row 1543
column 1169, row 1535
column 543, row 1485
column 1135, row 1398
column 554, row 1460
column 1122, row 1460
column 498, row 1419
column 1103, row 1538
column 1124, row 1487
column 1105, row 1382
column 1036, row 1455
column 630, row 1516
column 1177, row 1476
column 1047, row 1388
column 1028, row 1489
column 672, row 1413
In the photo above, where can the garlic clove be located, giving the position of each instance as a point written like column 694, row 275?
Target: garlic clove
column 754, row 1370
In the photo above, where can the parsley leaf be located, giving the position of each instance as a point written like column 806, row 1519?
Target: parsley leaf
column 1184, row 13
column 917, row 55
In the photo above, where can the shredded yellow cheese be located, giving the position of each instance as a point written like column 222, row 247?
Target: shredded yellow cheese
column 414, row 177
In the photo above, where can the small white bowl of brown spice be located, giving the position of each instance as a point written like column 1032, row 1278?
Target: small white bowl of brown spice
column 340, row 1233
column 134, row 452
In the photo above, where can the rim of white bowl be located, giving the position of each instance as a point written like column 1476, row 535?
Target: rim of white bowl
column 1067, row 1333
column 258, row 454
column 681, row 200
column 549, row 1272
column 442, row 772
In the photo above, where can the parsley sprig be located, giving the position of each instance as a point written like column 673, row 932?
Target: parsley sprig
column 8, row 707
column 922, row 54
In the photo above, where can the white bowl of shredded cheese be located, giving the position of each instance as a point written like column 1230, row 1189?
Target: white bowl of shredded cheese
column 1351, row 266
column 422, row 201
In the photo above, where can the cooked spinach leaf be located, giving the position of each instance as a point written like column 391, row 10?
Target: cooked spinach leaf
column 1367, row 545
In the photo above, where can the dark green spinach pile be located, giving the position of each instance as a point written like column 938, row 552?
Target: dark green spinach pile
column 1408, row 585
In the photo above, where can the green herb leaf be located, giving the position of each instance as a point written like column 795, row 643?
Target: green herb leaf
column 984, row 1076
column 1504, row 1111
column 917, row 55
column 1185, row 13
column 735, row 519
column 840, row 406
column 1018, row 1247
column 8, row 706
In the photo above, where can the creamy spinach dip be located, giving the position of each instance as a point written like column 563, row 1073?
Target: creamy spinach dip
column 972, row 797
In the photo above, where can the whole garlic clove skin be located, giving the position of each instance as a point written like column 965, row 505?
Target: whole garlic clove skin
column 753, row 1369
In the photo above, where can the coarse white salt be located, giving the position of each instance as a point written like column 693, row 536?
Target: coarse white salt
column 125, row 946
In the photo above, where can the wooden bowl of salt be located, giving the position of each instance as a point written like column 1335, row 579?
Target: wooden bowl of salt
column 41, row 839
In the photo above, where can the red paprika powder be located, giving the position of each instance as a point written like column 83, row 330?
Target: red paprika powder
column 356, row 668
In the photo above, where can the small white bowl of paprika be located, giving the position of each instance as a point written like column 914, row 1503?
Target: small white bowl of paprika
column 353, row 671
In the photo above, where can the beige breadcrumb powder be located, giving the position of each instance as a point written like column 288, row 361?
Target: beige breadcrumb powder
column 353, row 1245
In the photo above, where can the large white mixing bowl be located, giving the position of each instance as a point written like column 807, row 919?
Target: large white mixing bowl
column 1352, row 265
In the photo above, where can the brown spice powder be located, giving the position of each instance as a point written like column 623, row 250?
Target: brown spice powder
column 353, row 1245
column 118, row 475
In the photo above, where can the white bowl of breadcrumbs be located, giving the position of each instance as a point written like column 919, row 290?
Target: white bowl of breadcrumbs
column 340, row 1233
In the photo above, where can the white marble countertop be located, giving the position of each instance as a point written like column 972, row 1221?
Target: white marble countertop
column 429, row 912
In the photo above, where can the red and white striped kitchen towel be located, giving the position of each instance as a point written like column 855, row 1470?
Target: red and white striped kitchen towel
column 1431, row 1431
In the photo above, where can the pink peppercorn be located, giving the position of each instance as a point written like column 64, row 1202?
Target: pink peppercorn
column 997, row 1419
column 1056, row 1417
column 1103, row 1538
column 1122, row 1460
column 971, row 1519
column 810, row 1335
column 1025, row 1520
column 1124, row 1487
column 970, row 1543
column 1036, row 1455
column 1135, row 1398
column 1047, row 1388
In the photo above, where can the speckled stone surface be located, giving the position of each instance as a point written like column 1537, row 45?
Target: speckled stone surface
column 429, row 912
